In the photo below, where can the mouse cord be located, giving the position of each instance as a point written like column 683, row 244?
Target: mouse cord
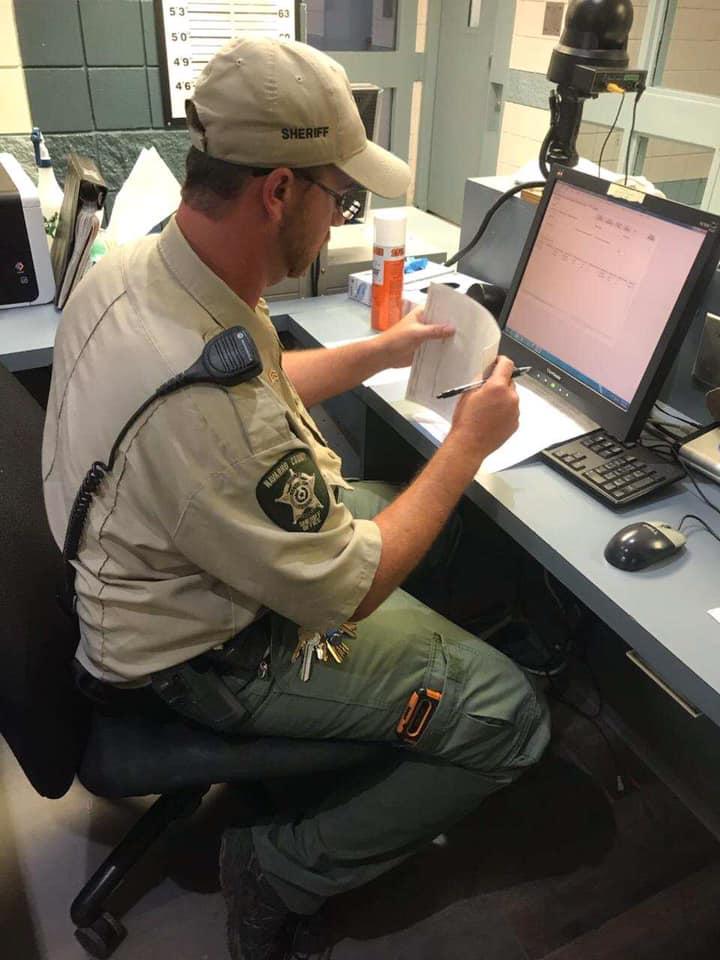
column 667, row 412
column 692, row 516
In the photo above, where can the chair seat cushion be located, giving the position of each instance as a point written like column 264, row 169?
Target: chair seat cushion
column 130, row 756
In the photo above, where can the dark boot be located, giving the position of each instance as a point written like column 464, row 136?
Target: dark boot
column 259, row 925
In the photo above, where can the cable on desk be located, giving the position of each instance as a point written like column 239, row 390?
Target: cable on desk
column 692, row 480
column 692, row 516
column 672, row 451
column 664, row 409
column 673, row 431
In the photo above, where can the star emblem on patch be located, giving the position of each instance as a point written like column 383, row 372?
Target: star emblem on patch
column 293, row 493
column 299, row 494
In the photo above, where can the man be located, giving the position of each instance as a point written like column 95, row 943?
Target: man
column 226, row 541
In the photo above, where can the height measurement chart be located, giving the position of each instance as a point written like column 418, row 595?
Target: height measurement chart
column 191, row 32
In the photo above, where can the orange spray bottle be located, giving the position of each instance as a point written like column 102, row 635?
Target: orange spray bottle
column 388, row 267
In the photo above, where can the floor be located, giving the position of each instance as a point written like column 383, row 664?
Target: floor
column 559, row 867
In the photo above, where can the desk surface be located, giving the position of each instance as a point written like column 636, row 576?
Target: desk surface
column 661, row 612
column 27, row 335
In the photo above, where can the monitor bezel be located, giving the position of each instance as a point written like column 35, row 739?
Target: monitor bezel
column 623, row 424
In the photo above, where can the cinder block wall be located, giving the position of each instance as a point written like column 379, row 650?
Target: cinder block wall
column 86, row 72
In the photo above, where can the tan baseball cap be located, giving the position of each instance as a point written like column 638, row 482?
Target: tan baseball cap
column 279, row 103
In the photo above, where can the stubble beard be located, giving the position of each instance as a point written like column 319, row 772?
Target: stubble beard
column 298, row 253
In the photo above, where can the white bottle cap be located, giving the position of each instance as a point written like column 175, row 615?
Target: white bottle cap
column 390, row 228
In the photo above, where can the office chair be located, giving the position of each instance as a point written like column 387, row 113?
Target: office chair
column 55, row 733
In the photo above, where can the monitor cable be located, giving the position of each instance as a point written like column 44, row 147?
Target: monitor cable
column 671, row 448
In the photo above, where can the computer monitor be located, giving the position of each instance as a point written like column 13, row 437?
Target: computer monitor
column 606, row 287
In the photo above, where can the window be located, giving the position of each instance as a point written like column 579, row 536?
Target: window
column 689, row 54
column 676, row 141
column 590, row 142
column 352, row 24
column 680, row 170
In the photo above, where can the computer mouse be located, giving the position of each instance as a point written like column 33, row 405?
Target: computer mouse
column 643, row 544
column 490, row 296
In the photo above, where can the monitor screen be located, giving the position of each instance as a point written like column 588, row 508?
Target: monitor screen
column 599, row 287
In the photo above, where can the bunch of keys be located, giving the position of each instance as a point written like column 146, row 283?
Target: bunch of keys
column 330, row 645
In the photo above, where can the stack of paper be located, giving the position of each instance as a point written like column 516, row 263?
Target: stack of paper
column 440, row 365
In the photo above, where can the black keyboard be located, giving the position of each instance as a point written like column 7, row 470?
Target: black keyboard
column 615, row 472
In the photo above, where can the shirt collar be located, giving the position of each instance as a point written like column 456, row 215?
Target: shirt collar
column 203, row 285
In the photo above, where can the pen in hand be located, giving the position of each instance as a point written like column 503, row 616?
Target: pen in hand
column 518, row 371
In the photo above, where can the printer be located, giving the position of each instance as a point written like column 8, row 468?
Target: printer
column 26, row 275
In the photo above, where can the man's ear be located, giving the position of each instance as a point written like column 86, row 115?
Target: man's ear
column 277, row 191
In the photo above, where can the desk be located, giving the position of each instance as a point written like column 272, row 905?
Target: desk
column 27, row 335
column 661, row 612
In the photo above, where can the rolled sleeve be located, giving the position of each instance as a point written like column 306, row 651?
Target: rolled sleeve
column 240, row 531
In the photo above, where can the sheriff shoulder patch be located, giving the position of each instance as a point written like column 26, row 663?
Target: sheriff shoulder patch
column 293, row 493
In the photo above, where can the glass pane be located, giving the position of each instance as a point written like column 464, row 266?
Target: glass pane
column 590, row 142
column 680, row 170
column 638, row 28
column 690, row 51
column 352, row 24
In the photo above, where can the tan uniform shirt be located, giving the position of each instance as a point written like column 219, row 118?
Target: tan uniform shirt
column 220, row 503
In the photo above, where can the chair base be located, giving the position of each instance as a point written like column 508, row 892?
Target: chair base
column 102, row 938
column 99, row 932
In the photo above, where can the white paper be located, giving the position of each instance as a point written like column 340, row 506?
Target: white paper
column 390, row 375
column 149, row 195
column 468, row 355
column 715, row 614
column 544, row 420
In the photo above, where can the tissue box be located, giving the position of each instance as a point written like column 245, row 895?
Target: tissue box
column 360, row 284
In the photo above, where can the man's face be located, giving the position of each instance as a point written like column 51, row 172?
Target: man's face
column 306, row 227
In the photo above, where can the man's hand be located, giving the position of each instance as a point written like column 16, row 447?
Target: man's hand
column 486, row 417
column 400, row 342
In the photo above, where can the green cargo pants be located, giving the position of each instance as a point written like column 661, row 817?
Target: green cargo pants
column 489, row 726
